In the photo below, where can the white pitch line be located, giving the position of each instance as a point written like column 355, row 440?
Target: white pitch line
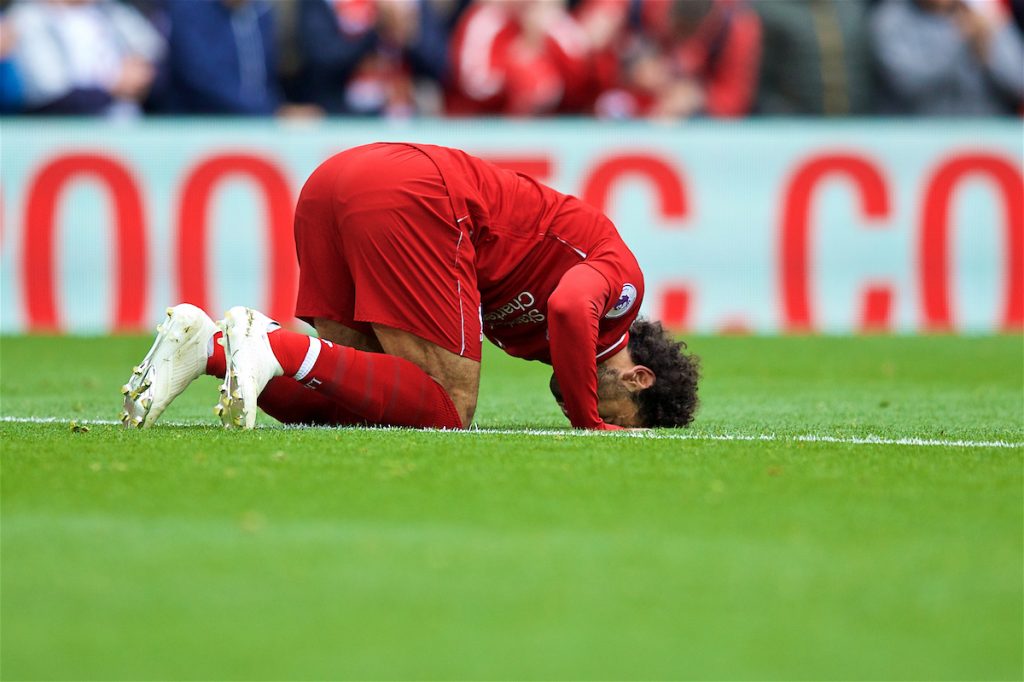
column 569, row 433
column 771, row 437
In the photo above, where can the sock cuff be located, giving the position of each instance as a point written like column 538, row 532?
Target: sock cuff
column 307, row 362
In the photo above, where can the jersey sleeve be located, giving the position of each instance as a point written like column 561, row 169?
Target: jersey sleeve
column 574, row 314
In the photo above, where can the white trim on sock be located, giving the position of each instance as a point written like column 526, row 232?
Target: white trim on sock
column 307, row 363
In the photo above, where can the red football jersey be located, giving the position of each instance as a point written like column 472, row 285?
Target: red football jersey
column 557, row 283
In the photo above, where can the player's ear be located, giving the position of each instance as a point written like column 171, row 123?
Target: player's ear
column 638, row 378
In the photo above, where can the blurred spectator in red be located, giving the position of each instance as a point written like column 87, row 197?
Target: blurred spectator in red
column 83, row 56
column 816, row 58
column 373, row 56
column 675, row 58
column 520, row 57
column 948, row 58
column 222, row 60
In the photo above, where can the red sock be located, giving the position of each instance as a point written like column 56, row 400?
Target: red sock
column 216, row 362
column 289, row 402
column 381, row 389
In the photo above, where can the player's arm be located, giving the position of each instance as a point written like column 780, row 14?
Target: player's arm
column 574, row 313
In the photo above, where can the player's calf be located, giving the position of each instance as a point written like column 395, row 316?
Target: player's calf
column 378, row 388
column 457, row 375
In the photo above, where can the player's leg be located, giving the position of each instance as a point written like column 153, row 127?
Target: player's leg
column 187, row 346
column 380, row 388
column 378, row 244
column 285, row 399
column 289, row 402
column 459, row 376
column 358, row 398
column 325, row 297
column 411, row 260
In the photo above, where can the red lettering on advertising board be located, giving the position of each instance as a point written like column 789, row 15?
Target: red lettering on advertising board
column 129, row 242
column 933, row 248
column 193, row 230
column 673, row 201
column 876, row 307
column 795, row 235
column 675, row 307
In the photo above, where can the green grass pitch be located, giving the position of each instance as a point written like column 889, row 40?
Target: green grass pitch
column 191, row 552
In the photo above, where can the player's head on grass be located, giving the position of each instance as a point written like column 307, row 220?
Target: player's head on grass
column 671, row 399
column 652, row 383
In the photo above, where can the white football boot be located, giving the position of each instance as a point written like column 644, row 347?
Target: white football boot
column 176, row 358
column 251, row 365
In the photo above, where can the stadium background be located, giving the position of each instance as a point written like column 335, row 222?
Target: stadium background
column 863, row 222
column 826, row 197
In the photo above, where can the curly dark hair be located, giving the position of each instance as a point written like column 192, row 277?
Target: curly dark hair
column 672, row 400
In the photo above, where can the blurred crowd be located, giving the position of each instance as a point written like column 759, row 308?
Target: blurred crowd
column 663, row 59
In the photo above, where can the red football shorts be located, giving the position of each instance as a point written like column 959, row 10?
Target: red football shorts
column 378, row 242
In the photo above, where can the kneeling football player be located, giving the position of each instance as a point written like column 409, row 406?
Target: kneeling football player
column 408, row 256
